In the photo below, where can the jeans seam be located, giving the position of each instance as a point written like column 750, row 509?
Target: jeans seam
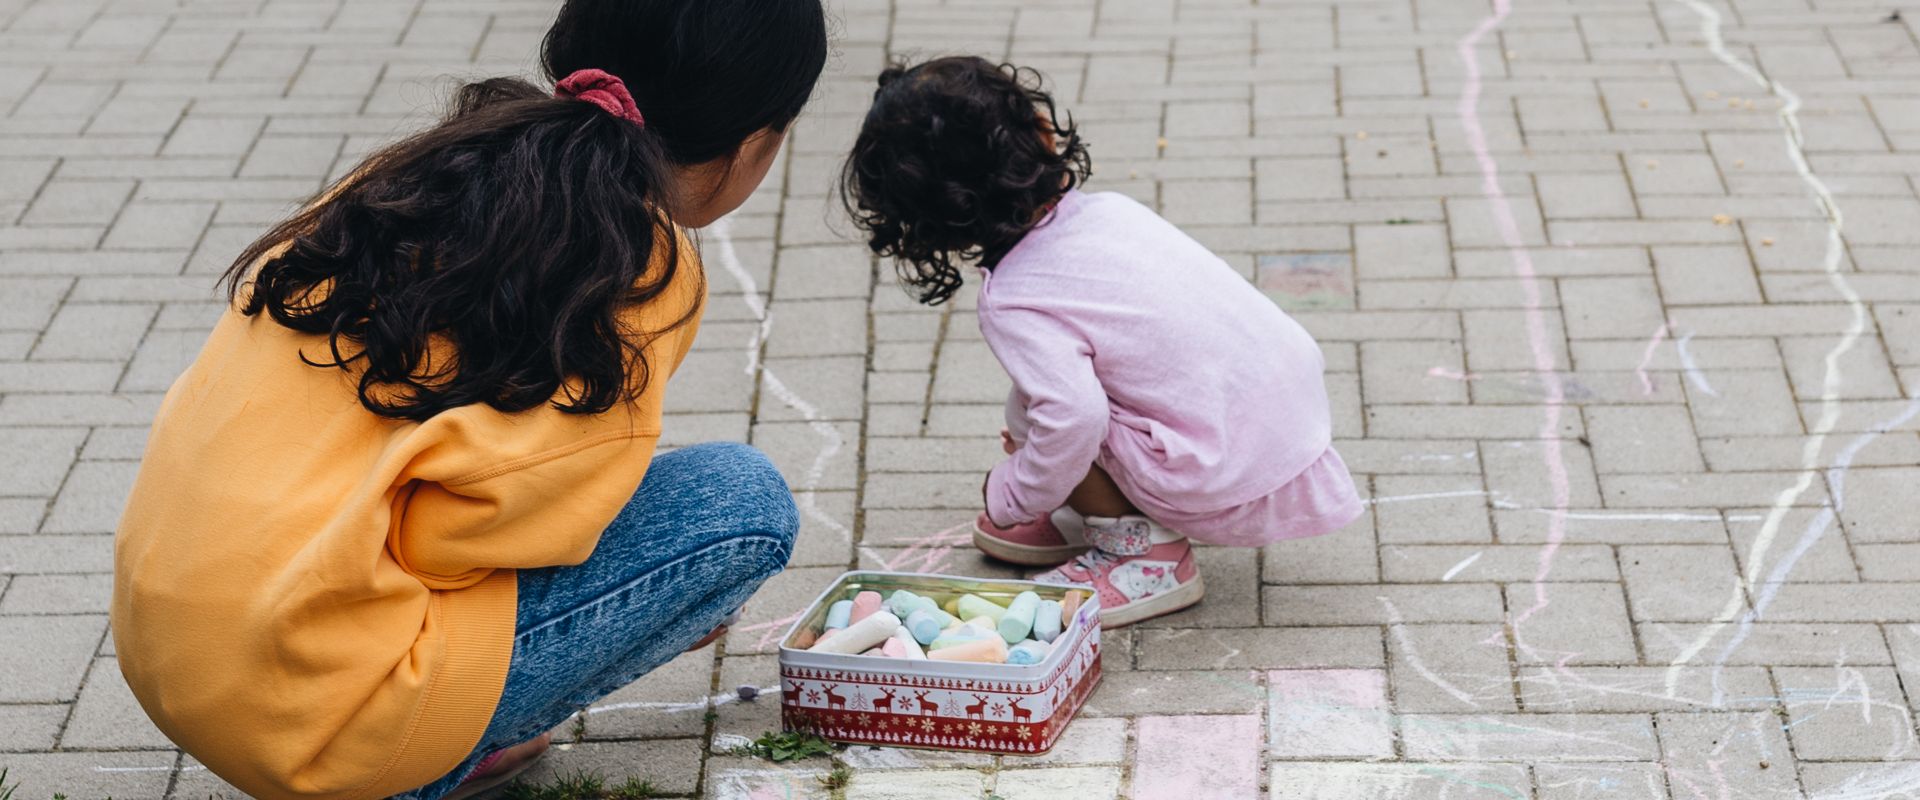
column 649, row 577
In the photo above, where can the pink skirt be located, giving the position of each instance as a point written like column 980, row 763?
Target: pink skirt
column 1319, row 500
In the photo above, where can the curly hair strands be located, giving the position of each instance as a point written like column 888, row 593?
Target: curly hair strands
column 958, row 158
column 490, row 259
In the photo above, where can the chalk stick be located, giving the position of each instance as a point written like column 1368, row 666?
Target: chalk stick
column 860, row 636
column 877, row 651
column 990, row 650
column 1030, row 651
column 928, row 623
column 1046, row 621
column 1018, row 621
column 975, row 606
column 864, row 604
column 839, row 615
column 903, row 602
column 891, row 648
column 952, row 607
column 962, row 635
column 1069, row 604
column 805, row 638
column 909, row 648
column 825, row 635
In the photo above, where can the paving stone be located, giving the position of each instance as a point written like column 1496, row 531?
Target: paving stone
column 40, row 458
column 108, row 716
column 669, row 701
column 1530, row 737
column 52, row 670
column 1675, row 583
column 87, row 331
column 1347, row 555
column 1497, row 563
column 1764, row 643
column 1336, row 780
column 1571, row 623
column 1165, row 767
column 58, row 594
column 1136, row 693
column 30, row 727
column 913, row 785
column 1329, row 714
column 1450, row 668
column 133, row 775
column 1846, row 712
column 670, row 765
column 1042, row 784
column 1561, row 781
column 92, row 498
column 1641, row 439
column 1421, row 509
column 1743, row 751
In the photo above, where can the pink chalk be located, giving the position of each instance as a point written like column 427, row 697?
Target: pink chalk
column 825, row 635
column 1068, row 605
column 864, row 604
column 892, row 648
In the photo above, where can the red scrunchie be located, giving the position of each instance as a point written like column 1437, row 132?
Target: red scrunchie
column 603, row 90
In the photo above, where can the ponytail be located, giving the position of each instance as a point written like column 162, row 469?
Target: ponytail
column 491, row 259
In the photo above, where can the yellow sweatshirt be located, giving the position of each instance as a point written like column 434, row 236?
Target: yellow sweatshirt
column 318, row 602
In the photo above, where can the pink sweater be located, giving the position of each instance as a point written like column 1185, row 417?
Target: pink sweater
column 1132, row 346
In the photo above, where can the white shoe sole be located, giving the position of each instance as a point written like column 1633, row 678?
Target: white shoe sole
column 1158, row 605
column 1023, row 554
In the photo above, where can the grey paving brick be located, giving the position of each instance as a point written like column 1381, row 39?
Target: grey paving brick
column 58, row 594
column 92, row 497
column 1746, row 750
column 39, row 458
column 1679, row 583
column 70, row 202
column 52, row 670
column 159, row 226
column 107, row 716
column 30, row 727
column 95, row 331
column 1330, row 780
column 134, row 775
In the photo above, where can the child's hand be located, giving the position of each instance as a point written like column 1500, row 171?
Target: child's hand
column 1006, row 441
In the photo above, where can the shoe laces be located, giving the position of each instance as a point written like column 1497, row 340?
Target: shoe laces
column 1094, row 561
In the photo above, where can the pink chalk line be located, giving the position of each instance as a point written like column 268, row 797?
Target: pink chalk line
column 1543, row 358
column 1646, row 382
column 939, row 544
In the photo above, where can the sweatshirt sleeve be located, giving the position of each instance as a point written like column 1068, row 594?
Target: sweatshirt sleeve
column 530, row 490
column 1066, row 413
column 452, row 534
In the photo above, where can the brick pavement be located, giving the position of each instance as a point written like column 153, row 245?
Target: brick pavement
column 1637, row 426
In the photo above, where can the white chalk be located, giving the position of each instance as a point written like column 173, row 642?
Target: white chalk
column 860, row 636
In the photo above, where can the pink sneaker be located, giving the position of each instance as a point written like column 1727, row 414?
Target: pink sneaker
column 1141, row 569
column 1043, row 542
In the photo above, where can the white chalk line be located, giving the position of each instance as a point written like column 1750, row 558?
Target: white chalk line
column 715, row 701
column 832, row 441
column 1690, row 367
column 1830, row 382
column 1464, row 563
column 1397, row 625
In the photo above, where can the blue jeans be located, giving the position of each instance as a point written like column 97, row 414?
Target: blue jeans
column 708, row 525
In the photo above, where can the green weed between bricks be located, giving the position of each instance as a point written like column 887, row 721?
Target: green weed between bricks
column 578, row 786
column 783, row 747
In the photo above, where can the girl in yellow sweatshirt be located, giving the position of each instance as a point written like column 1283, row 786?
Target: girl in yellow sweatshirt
column 391, row 526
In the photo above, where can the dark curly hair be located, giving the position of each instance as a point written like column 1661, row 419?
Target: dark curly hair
column 955, row 163
column 491, row 259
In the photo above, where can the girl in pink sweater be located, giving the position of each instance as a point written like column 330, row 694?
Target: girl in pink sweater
column 1157, row 394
